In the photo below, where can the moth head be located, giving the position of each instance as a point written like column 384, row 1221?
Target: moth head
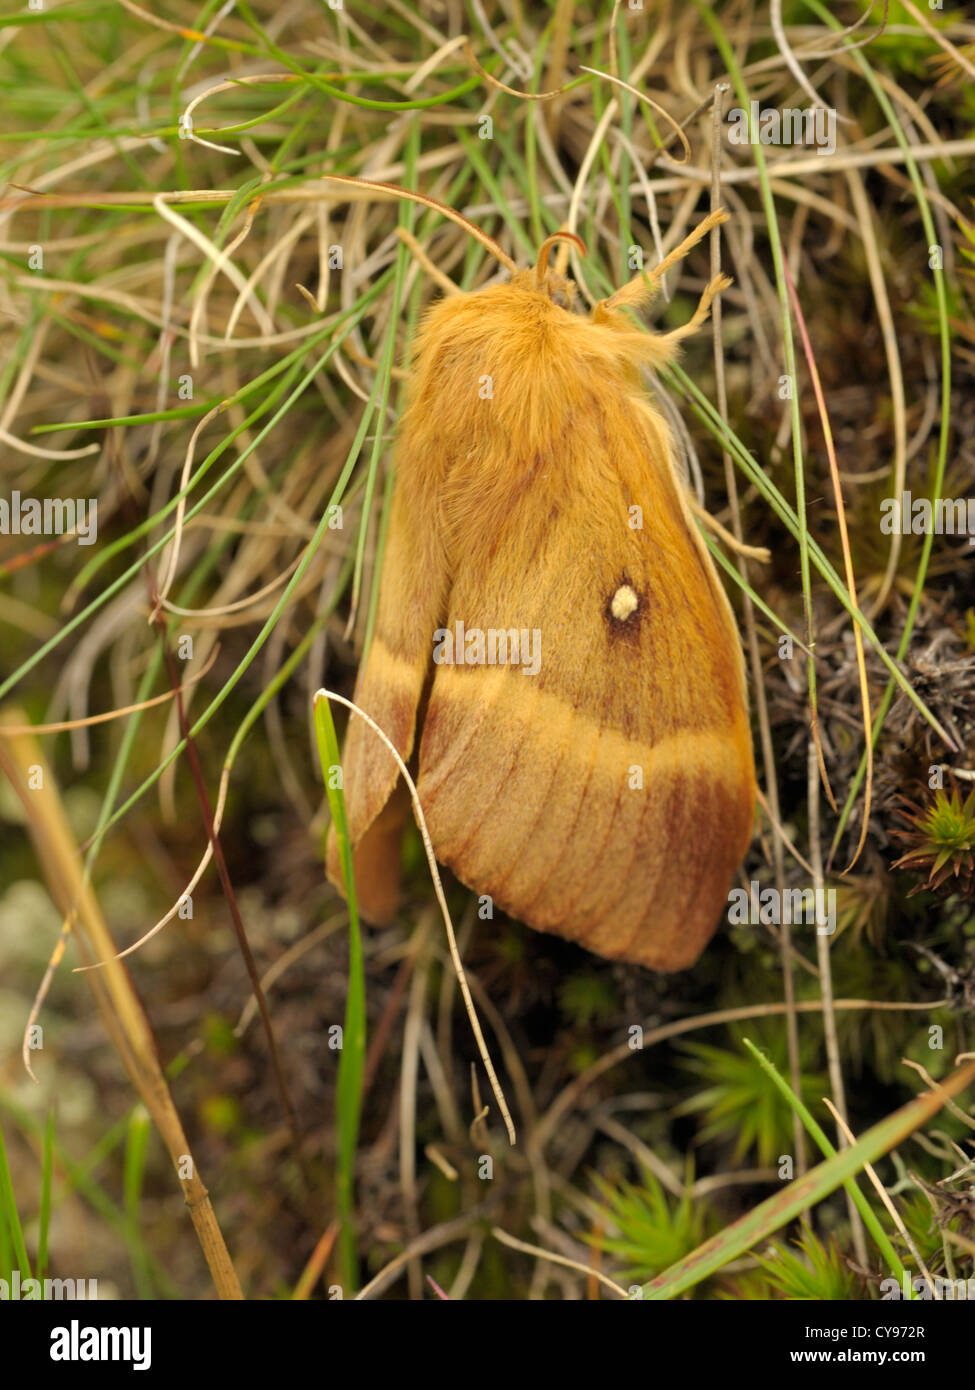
column 550, row 282
column 559, row 289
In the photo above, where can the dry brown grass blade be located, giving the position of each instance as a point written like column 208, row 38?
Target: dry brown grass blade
column 834, row 473
column 957, row 55
column 676, row 130
column 318, row 1260
column 558, row 52
column 882, row 1193
column 424, row 261
column 751, row 643
column 471, row 57
column 589, row 1270
column 568, row 1097
column 888, row 329
column 393, row 190
column 226, row 883
column 824, row 960
column 54, row 960
column 128, row 1027
column 64, row 725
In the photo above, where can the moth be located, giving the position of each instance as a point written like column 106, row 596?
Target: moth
column 603, row 787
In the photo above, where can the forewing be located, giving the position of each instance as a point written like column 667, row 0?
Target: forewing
column 609, row 797
column 389, row 689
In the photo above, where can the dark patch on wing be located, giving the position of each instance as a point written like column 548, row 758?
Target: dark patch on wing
column 625, row 630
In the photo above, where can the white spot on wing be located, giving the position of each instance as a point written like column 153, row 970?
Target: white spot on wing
column 624, row 603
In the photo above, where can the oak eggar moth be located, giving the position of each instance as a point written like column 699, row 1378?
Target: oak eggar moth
column 552, row 644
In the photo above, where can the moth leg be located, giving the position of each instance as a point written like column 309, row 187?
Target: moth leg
column 641, row 289
column 350, row 350
column 751, row 552
column 417, row 251
column 665, row 341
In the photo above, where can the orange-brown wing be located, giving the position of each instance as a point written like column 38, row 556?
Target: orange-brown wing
column 389, row 688
column 609, row 797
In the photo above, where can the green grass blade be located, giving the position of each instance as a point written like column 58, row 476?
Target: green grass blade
column 134, row 1170
column 348, row 1102
column 9, row 1215
column 47, row 1177
column 819, row 1135
column 805, row 1192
